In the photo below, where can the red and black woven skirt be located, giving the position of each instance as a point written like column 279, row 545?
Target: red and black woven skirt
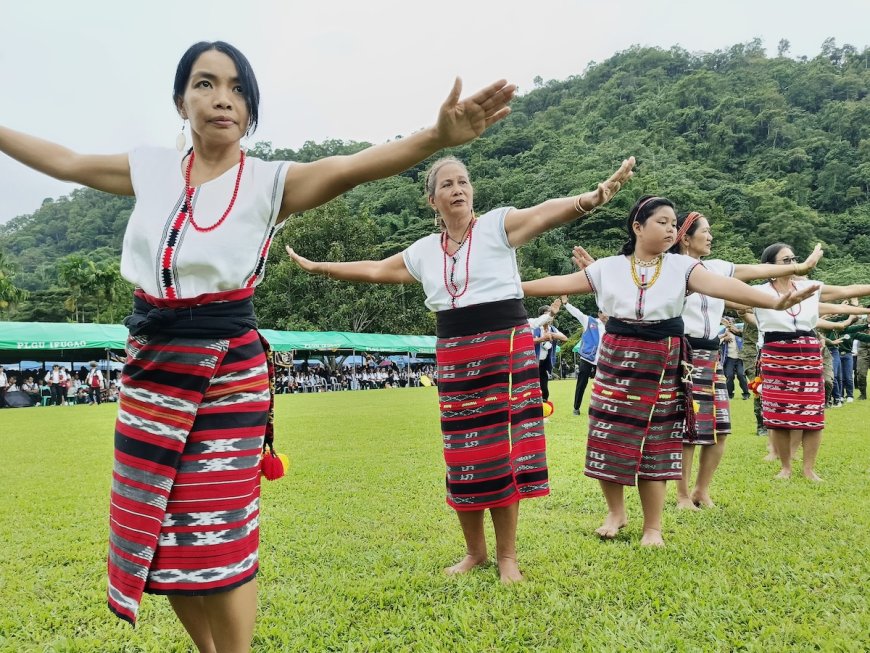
column 713, row 414
column 184, row 513
column 792, row 388
column 491, row 419
column 637, row 411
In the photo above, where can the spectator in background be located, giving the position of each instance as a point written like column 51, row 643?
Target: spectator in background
column 4, row 382
column 94, row 384
column 862, row 363
column 31, row 388
column 56, row 379
column 732, row 362
column 545, row 338
column 749, row 355
column 589, row 348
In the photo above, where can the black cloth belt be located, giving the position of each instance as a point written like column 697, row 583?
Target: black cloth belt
column 646, row 330
column 480, row 318
column 710, row 344
column 214, row 320
column 785, row 336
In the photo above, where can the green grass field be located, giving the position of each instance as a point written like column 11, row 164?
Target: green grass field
column 355, row 538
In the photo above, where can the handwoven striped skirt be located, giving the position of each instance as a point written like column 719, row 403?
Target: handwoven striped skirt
column 184, row 511
column 636, row 413
column 492, row 420
column 792, row 389
column 713, row 414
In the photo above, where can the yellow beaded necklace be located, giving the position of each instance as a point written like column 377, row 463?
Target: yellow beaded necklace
column 645, row 284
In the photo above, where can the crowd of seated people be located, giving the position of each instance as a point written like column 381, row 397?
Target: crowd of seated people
column 60, row 386
column 349, row 377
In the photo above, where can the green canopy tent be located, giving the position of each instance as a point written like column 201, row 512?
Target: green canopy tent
column 60, row 341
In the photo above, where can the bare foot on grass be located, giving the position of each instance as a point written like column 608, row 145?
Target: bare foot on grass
column 784, row 474
column 771, row 457
column 465, row 565
column 508, row 571
column 811, row 475
column 702, row 499
column 685, row 503
column 611, row 526
column 652, row 537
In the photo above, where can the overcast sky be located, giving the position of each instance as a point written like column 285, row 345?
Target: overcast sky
column 96, row 75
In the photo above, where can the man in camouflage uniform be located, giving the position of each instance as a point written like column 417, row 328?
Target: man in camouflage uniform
column 749, row 355
column 863, row 365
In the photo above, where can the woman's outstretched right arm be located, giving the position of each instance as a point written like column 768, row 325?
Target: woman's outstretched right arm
column 389, row 270
column 106, row 172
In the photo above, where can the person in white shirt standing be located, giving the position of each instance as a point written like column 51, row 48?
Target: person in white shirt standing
column 56, row 380
column 545, row 337
column 589, row 348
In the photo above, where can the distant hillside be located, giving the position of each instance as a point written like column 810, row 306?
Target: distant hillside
column 769, row 148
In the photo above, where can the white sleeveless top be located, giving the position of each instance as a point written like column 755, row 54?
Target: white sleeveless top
column 800, row 317
column 702, row 314
column 619, row 297
column 166, row 257
column 492, row 268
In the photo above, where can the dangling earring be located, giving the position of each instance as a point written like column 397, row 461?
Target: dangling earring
column 437, row 219
column 244, row 144
column 181, row 139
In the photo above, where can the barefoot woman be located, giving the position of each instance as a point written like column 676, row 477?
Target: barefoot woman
column 640, row 401
column 195, row 402
column 490, row 398
column 701, row 317
column 792, row 390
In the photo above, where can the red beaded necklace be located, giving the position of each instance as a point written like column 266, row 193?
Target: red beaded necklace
column 452, row 288
column 188, row 194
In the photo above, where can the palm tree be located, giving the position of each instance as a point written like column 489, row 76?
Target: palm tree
column 10, row 295
column 80, row 274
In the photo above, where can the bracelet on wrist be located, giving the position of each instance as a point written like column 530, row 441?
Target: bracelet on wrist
column 581, row 212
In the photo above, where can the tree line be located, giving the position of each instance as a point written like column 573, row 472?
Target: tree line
column 769, row 148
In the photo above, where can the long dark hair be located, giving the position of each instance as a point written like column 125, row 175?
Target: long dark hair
column 247, row 79
column 640, row 213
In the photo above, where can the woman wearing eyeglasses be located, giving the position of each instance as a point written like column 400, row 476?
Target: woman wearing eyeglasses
column 701, row 317
column 793, row 393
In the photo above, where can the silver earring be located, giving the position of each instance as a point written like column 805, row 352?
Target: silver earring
column 181, row 139
column 437, row 219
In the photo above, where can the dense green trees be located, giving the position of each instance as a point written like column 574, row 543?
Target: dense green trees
column 769, row 148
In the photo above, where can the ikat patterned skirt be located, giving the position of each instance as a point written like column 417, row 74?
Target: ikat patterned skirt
column 492, row 420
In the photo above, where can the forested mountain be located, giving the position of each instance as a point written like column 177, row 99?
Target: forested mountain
column 769, row 148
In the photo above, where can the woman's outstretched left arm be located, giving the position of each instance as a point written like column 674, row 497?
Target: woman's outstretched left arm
column 308, row 185
column 705, row 282
column 521, row 225
column 834, row 293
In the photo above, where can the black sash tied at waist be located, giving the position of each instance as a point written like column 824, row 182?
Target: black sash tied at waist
column 785, row 336
column 228, row 319
column 710, row 344
column 671, row 328
column 480, row 318
column 646, row 330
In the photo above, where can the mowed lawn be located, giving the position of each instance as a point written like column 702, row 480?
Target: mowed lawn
column 355, row 538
